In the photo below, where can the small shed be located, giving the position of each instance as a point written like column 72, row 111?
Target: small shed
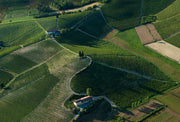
column 54, row 32
column 83, row 100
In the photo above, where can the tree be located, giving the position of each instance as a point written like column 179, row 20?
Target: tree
column 81, row 54
column 1, row 44
column 89, row 91
column 2, row 85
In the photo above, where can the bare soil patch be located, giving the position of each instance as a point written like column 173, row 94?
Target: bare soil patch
column 111, row 34
column 166, row 49
column 144, row 34
column 142, row 110
column 154, row 32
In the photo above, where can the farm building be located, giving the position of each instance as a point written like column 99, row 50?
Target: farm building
column 83, row 100
column 54, row 32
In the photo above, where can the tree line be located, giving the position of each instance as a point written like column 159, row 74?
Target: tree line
column 64, row 4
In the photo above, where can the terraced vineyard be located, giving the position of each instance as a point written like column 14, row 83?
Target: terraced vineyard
column 19, row 33
column 38, row 73
column 42, row 83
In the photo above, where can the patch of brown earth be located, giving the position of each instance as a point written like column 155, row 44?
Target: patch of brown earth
column 144, row 34
column 154, row 32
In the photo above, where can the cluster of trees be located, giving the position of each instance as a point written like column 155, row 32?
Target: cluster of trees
column 1, row 44
column 148, row 19
column 135, row 104
column 81, row 54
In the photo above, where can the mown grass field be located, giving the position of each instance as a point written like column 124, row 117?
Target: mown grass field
column 95, row 25
column 122, row 14
column 19, row 33
column 40, row 51
column 122, row 88
column 5, row 77
column 170, row 11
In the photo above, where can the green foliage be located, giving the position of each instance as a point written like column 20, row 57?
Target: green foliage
column 168, row 27
column 40, row 51
column 48, row 22
column 89, row 91
column 174, row 40
column 139, row 102
column 151, row 7
column 122, row 14
column 170, row 11
column 95, row 25
column 68, row 20
column 29, row 77
column 15, row 63
column 148, row 19
column 70, row 4
column 122, row 88
column 20, row 33
column 112, row 54
column 26, row 99
column 81, row 54
column 5, row 77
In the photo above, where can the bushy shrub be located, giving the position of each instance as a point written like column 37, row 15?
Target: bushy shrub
column 148, row 19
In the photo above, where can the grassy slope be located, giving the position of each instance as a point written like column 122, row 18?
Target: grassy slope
column 111, row 54
column 51, row 109
column 31, row 88
column 122, row 88
column 170, row 11
column 173, row 26
column 95, row 25
column 15, row 63
column 132, row 42
column 18, row 104
column 64, row 21
column 67, row 21
column 122, row 14
column 19, row 33
column 47, row 23
column 39, row 52
column 169, row 16
column 174, row 40
column 151, row 7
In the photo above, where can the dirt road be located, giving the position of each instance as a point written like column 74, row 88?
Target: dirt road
column 82, row 8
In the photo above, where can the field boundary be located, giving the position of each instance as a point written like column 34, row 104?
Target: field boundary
column 10, row 82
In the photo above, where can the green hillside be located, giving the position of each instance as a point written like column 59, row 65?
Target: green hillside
column 122, row 14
